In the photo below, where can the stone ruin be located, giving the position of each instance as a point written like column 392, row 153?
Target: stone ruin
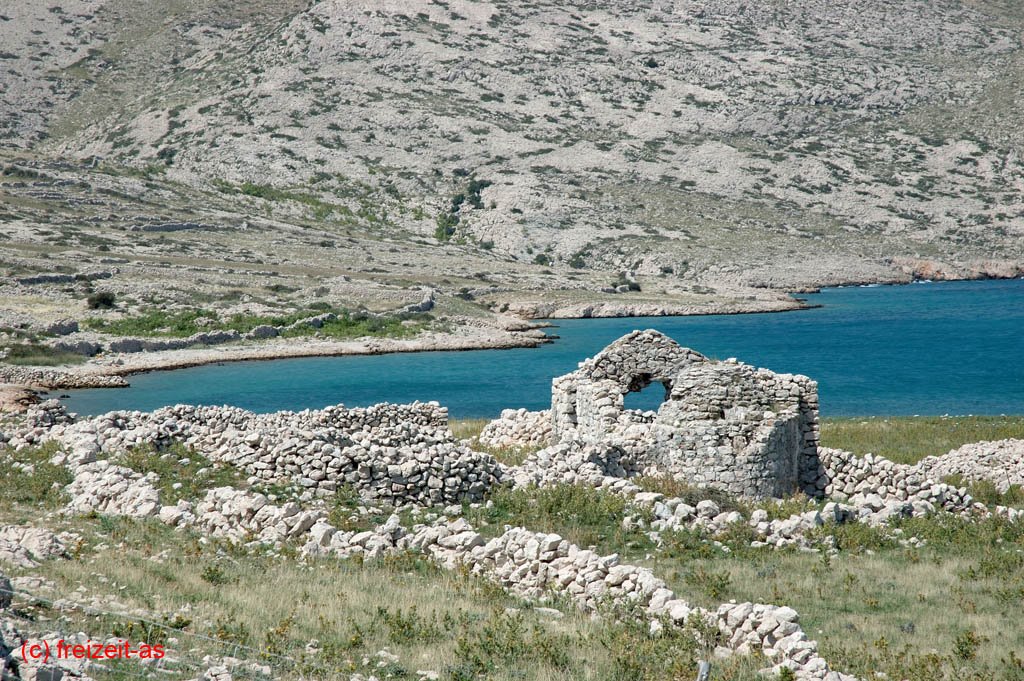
column 725, row 425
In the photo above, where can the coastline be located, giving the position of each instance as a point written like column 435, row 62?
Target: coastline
column 109, row 372
column 519, row 331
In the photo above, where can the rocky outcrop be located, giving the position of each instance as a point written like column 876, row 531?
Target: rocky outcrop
column 26, row 547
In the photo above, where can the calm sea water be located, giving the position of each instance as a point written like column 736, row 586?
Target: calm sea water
column 941, row 348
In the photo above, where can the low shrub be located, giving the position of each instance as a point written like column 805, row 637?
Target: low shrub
column 101, row 300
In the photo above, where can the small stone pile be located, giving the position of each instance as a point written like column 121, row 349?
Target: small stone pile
column 35, row 425
column 325, row 539
column 518, row 429
column 877, row 483
column 1000, row 462
column 793, row 531
column 675, row 514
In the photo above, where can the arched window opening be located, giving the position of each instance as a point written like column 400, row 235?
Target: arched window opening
column 646, row 394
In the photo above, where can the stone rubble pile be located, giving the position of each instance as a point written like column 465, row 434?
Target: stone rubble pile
column 104, row 487
column 325, row 539
column 1000, row 462
column 241, row 516
column 674, row 513
column 793, row 531
column 593, row 464
column 518, row 429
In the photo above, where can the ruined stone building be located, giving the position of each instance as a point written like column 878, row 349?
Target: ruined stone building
column 725, row 424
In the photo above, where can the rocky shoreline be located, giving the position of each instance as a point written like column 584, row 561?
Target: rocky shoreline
column 20, row 385
column 608, row 310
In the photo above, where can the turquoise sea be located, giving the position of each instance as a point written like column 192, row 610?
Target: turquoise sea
column 928, row 348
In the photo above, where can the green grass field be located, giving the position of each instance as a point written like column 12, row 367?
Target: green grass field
column 909, row 439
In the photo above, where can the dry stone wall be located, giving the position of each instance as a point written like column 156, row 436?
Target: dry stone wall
column 876, row 482
column 53, row 378
column 534, row 565
column 400, row 454
column 1000, row 462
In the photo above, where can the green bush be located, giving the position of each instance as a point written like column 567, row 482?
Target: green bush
column 445, row 226
column 101, row 300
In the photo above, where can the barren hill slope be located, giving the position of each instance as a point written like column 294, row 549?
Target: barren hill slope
column 710, row 146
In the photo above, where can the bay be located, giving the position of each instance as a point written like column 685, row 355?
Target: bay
column 928, row 348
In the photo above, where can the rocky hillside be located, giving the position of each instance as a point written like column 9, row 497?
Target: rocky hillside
column 713, row 145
